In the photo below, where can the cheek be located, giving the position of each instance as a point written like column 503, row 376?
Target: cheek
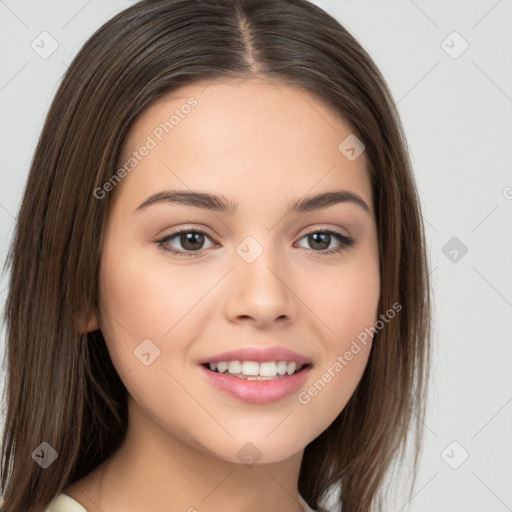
column 146, row 298
column 332, row 387
column 347, row 304
column 143, row 312
column 149, row 299
column 345, row 299
column 343, row 361
column 354, row 305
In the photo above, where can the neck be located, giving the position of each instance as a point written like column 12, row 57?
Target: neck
column 156, row 470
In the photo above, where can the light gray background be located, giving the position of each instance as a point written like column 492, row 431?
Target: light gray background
column 457, row 114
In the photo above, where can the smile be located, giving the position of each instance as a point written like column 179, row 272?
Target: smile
column 254, row 382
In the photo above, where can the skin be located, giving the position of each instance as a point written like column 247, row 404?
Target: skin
column 263, row 144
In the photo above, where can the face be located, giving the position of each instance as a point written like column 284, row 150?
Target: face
column 269, row 275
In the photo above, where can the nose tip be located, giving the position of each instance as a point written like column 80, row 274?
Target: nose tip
column 259, row 293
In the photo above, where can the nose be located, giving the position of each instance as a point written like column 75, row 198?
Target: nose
column 261, row 292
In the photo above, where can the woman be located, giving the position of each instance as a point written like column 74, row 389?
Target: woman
column 219, row 291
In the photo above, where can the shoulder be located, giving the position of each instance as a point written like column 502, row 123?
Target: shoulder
column 64, row 503
column 304, row 505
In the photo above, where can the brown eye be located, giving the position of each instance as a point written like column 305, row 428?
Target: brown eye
column 320, row 241
column 191, row 241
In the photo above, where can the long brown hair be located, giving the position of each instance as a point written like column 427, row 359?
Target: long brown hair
column 61, row 386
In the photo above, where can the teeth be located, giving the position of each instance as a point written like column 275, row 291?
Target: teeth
column 252, row 370
column 234, row 367
column 268, row 369
column 281, row 367
column 291, row 368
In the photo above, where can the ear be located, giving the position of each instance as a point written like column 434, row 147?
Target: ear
column 92, row 324
column 88, row 325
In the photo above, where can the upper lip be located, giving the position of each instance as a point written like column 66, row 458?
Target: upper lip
column 260, row 355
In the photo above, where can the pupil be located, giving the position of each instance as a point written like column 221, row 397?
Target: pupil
column 191, row 238
column 319, row 238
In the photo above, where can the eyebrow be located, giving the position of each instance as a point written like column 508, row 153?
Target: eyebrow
column 221, row 204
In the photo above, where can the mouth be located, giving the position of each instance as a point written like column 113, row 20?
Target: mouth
column 253, row 370
column 257, row 383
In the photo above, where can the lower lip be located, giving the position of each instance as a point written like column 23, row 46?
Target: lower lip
column 258, row 391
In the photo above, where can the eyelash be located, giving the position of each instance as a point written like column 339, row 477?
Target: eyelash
column 345, row 241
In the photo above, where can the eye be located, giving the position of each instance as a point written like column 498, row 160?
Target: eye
column 191, row 240
column 320, row 240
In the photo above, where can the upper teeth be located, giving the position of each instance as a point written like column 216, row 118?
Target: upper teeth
column 266, row 369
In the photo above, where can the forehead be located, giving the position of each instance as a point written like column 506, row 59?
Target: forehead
column 258, row 139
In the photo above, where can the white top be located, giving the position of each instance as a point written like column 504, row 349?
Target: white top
column 306, row 507
column 64, row 503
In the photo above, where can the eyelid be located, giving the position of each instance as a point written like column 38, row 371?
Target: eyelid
column 185, row 227
column 346, row 241
column 161, row 240
column 308, row 230
column 314, row 228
